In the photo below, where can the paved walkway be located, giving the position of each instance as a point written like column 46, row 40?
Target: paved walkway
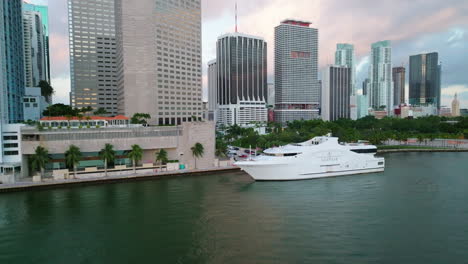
column 27, row 184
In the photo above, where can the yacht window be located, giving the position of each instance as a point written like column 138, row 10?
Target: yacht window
column 290, row 154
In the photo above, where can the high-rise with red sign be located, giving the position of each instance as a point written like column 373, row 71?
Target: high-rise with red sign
column 297, row 89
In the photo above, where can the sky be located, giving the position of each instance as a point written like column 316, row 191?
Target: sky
column 413, row 27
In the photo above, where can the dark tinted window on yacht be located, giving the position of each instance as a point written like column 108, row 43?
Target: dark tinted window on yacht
column 374, row 150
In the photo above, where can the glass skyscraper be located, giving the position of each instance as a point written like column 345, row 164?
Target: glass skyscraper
column 11, row 61
column 297, row 88
column 424, row 79
column 344, row 56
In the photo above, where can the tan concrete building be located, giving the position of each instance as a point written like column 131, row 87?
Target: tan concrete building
column 159, row 59
column 176, row 140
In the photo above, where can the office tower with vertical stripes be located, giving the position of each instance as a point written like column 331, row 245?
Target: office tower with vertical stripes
column 398, row 75
column 297, row 88
column 336, row 92
column 344, row 56
column 212, row 90
column 241, row 62
column 93, row 54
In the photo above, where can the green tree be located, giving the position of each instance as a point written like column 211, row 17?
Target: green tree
column 108, row 155
column 161, row 156
column 101, row 111
column 60, row 110
column 39, row 160
column 46, row 89
column 221, row 148
column 420, row 138
column 140, row 118
column 197, row 152
column 135, row 154
column 73, row 157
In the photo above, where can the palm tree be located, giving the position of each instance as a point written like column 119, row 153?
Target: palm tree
column 197, row 151
column 40, row 159
column 72, row 158
column 108, row 155
column 161, row 156
column 136, row 154
column 420, row 139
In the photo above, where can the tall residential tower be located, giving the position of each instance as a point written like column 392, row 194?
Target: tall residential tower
column 35, row 49
column 424, row 79
column 36, row 32
column 380, row 75
column 242, row 79
column 212, row 90
column 297, row 88
column 93, row 54
column 159, row 68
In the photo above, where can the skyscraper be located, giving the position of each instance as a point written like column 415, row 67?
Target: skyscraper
column 365, row 86
column 35, row 48
column 159, row 59
column 11, row 61
column 455, row 106
column 424, row 79
column 380, row 76
column 336, row 92
column 344, row 56
column 398, row 74
column 212, row 90
column 297, row 89
column 44, row 13
column 93, row 54
column 242, row 79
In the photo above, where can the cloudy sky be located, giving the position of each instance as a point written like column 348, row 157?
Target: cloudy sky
column 415, row 26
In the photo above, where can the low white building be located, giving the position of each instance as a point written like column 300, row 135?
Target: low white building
column 34, row 104
column 10, row 152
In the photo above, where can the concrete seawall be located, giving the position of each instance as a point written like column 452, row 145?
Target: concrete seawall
column 51, row 184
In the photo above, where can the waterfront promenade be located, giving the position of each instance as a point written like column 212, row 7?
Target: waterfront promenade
column 28, row 184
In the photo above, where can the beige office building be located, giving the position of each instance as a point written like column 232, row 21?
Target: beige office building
column 159, row 59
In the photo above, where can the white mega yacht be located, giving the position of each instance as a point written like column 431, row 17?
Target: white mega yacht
column 317, row 158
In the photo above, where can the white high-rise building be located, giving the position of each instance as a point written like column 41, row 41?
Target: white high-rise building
column 159, row 68
column 380, row 92
column 242, row 79
column 35, row 49
column 297, row 88
column 212, row 90
column 344, row 56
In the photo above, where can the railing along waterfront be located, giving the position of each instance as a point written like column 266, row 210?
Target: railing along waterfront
column 31, row 134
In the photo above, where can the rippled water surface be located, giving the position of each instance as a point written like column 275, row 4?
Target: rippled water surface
column 415, row 212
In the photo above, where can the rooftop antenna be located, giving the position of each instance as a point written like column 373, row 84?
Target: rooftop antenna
column 236, row 16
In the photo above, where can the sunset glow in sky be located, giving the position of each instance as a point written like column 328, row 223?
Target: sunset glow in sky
column 414, row 27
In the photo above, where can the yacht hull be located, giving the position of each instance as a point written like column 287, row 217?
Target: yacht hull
column 276, row 175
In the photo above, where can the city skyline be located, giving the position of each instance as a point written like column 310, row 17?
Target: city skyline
column 445, row 33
